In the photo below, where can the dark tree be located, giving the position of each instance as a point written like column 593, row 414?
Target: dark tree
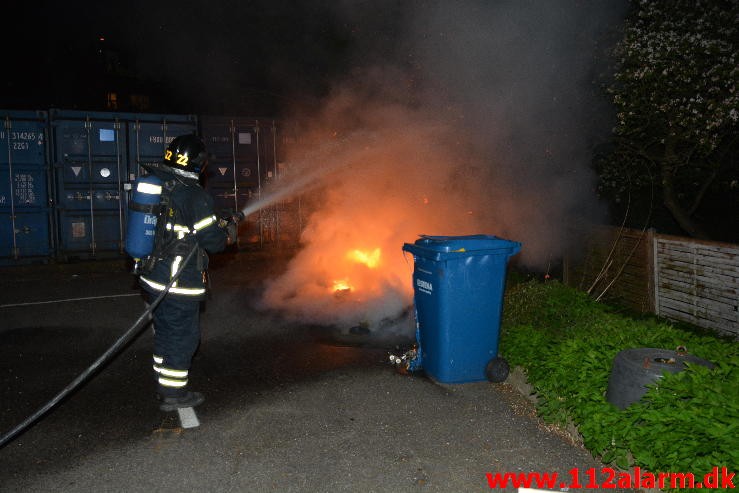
column 675, row 90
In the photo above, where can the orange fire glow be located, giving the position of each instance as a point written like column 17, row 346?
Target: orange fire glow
column 341, row 285
column 368, row 258
column 371, row 260
column 350, row 268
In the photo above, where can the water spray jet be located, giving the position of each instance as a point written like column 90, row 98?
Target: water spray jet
column 288, row 187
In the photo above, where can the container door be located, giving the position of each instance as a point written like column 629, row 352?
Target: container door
column 149, row 136
column 244, row 161
column 90, row 168
column 234, row 167
column 24, row 187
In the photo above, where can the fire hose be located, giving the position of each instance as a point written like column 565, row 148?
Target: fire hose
column 107, row 355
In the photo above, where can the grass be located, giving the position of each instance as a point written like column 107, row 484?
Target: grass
column 566, row 343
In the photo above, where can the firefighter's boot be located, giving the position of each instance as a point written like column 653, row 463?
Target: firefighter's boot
column 188, row 399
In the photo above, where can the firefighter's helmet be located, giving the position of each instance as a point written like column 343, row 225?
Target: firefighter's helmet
column 186, row 155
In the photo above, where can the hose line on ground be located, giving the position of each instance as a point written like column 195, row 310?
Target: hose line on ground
column 112, row 350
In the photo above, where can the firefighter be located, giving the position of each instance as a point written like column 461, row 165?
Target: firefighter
column 186, row 220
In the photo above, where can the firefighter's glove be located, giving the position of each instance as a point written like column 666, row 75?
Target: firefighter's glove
column 230, row 223
column 234, row 217
column 231, row 233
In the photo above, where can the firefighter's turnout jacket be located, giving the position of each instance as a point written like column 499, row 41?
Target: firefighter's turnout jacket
column 187, row 219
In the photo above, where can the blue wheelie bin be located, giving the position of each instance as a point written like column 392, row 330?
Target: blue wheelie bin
column 458, row 284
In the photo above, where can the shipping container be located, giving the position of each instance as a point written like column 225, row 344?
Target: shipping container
column 96, row 156
column 149, row 135
column 241, row 154
column 245, row 159
column 282, row 222
column 224, row 200
column 25, row 211
column 65, row 176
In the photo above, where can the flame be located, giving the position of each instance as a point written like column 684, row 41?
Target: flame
column 341, row 285
column 371, row 260
column 350, row 268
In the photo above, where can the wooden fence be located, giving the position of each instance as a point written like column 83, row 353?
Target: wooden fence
column 678, row 278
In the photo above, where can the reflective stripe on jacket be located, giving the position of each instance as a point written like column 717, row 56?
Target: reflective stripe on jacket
column 189, row 221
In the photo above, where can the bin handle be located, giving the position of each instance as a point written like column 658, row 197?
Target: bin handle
column 445, row 238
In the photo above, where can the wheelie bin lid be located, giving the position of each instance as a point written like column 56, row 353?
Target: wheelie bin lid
column 444, row 247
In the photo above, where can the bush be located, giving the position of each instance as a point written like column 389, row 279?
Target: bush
column 566, row 343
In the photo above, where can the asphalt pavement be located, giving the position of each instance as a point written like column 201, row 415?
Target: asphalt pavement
column 288, row 407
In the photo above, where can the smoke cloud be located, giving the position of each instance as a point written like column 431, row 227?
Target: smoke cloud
column 479, row 120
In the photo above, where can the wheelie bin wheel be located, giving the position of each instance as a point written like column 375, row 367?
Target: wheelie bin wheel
column 497, row 370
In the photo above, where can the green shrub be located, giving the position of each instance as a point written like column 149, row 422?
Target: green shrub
column 566, row 342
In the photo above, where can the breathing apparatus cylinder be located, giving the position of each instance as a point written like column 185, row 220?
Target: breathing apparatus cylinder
column 143, row 210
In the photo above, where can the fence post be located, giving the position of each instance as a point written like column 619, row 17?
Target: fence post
column 653, row 271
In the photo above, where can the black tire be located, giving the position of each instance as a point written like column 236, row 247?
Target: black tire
column 497, row 370
column 634, row 369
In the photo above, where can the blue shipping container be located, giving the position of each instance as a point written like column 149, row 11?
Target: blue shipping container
column 96, row 157
column 25, row 236
column 225, row 200
column 86, row 235
column 90, row 163
column 150, row 134
column 65, row 174
column 242, row 157
column 231, row 138
column 24, row 186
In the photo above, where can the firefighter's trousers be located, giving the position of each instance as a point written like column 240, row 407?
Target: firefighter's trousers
column 176, row 338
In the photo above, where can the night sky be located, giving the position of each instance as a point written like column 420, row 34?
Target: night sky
column 507, row 91
column 219, row 57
